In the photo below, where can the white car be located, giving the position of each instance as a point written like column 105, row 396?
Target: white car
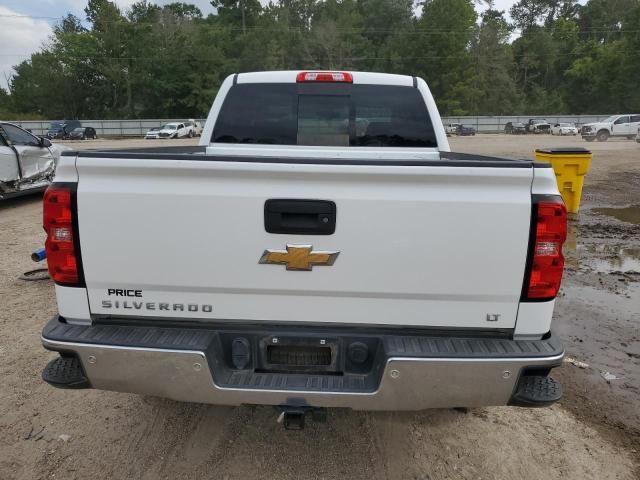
column 304, row 258
column 175, row 130
column 564, row 129
column 153, row 133
column 625, row 125
column 27, row 162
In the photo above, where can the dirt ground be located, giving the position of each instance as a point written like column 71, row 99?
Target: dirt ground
column 594, row 433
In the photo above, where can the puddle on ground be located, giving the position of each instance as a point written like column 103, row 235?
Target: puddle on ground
column 599, row 257
column 608, row 258
column 627, row 214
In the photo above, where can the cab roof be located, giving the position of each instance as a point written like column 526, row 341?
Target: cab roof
column 289, row 76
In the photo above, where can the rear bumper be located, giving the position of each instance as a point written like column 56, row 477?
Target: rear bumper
column 407, row 372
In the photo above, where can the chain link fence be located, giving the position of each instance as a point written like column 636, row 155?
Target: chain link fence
column 497, row 124
column 109, row 128
column 137, row 128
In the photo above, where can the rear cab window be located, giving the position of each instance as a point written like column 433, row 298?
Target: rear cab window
column 324, row 115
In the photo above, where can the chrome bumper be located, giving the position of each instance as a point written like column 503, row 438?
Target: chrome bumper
column 405, row 382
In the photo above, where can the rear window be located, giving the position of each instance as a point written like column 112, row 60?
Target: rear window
column 324, row 115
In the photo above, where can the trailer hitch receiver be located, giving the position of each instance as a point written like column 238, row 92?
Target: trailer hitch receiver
column 293, row 418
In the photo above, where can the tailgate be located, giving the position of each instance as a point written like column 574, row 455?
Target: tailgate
column 418, row 245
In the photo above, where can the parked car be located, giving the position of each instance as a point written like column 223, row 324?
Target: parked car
column 175, row 130
column 465, row 131
column 452, row 128
column 625, row 125
column 83, row 133
column 62, row 128
column 515, row 128
column 195, row 127
column 286, row 264
column 27, row 162
column 564, row 129
column 153, row 133
column 538, row 125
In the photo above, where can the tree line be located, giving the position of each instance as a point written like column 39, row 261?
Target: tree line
column 150, row 61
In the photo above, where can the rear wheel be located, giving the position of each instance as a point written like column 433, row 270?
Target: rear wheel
column 602, row 136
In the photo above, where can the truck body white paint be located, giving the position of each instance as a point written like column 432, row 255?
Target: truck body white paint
column 425, row 246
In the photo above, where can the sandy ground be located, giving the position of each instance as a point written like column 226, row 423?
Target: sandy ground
column 594, row 433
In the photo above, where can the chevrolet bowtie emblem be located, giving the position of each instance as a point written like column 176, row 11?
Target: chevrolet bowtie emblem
column 298, row 257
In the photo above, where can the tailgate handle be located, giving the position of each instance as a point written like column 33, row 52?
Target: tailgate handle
column 301, row 217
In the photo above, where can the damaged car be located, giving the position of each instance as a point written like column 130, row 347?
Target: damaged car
column 515, row 128
column 61, row 129
column 27, row 162
column 538, row 125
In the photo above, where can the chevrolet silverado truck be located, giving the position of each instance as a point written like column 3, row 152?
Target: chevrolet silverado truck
column 321, row 247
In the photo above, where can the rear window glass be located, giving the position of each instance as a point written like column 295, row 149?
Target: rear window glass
column 359, row 115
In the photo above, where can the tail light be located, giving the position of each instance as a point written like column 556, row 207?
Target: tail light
column 335, row 77
column 546, row 262
column 62, row 246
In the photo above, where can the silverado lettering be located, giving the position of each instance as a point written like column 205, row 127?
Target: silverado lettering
column 443, row 294
column 191, row 307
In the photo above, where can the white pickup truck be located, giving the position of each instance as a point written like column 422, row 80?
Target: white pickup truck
column 322, row 247
column 614, row 126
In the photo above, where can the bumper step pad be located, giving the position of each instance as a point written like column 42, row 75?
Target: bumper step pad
column 65, row 372
column 536, row 391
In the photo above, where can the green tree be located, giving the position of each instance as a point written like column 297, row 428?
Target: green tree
column 556, row 56
column 440, row 51
column 493, row 89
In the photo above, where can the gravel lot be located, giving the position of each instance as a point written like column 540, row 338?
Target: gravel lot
column 594, row 433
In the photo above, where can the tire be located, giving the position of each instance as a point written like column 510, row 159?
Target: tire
column 190, row 133
column 602, row 136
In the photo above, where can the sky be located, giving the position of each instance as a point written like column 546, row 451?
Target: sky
column 25, row 25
